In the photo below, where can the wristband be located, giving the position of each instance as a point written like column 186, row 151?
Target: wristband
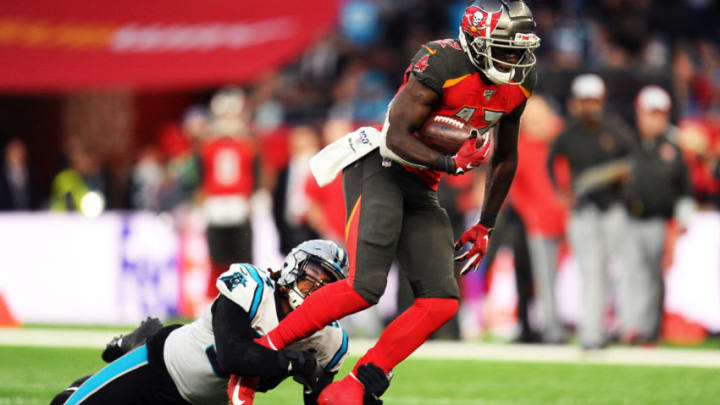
column 443, row 163
column 487, row 219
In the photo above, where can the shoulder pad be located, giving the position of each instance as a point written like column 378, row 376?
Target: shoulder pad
column 245, row 285
column 530, row 81
column 439, row 61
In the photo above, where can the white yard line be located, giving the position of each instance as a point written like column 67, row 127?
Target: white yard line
column 430, row 350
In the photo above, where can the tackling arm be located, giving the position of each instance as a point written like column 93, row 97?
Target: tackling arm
column 237, row 352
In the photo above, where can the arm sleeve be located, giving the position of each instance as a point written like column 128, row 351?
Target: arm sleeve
column 311, row 397
column 236, row 350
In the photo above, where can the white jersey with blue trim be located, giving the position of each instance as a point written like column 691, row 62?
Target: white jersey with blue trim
column 189, row 351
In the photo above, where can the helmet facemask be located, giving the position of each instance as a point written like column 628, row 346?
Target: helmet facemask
column 480, row 50
column 297, row 296
column 321, row 255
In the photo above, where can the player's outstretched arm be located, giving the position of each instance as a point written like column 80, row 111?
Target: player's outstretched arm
column 504, row 161
column 238, row 353
column 500, row 176
column 408, row 112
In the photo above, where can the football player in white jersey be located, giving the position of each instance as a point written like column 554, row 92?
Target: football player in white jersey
column 192, row 363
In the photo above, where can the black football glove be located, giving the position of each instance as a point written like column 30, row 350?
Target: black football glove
column 302, row 366
column 375, row 381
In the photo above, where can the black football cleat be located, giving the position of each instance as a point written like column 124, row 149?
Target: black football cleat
column 120, row 345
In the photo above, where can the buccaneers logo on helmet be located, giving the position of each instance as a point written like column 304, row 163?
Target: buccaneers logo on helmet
column 499, row 39
column 480, row 23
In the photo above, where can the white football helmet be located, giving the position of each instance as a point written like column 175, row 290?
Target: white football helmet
column 325, row 253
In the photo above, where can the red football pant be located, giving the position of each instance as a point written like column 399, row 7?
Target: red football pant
column 330, row 303
column 409, row 331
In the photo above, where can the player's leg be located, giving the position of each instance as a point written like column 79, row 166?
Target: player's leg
column 425, row 251
column 121, row 345
column 584, row 231
column 126, row 380
column 67, row 392
column 375, row 211
column 652, row 235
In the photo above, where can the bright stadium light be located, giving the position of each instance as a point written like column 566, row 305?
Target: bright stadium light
column 92, row 204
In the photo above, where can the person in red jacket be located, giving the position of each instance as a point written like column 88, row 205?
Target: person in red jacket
column 228, row 157
column 542, row 211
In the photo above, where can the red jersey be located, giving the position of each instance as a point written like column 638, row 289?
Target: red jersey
column 446, row 69
column 228, row 166
column 532, row 192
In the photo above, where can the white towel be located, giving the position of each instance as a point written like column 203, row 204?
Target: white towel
column 333, row 158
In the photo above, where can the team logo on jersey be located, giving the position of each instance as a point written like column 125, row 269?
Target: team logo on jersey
column 422, row 64
column 233, row 280
column 488, row 94
column 480, row 23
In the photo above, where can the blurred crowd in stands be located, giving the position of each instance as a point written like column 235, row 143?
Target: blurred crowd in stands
column 241, row 147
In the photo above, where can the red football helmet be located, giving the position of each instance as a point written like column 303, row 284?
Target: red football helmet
column 499, row 38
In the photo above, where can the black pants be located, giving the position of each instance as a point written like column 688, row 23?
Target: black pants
column 510, row 231
column 230, row 244
column 137, row 378
column 392, row 212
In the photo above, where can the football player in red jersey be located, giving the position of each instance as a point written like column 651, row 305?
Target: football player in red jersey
column 484, row 78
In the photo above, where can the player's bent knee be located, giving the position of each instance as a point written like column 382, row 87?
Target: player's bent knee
column 371, row 288
column 441, row 309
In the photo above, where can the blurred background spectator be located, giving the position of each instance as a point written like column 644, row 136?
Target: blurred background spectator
column 658, row 188
column 596, row 146
column 18, row 191
column 291, row 202
column 542, row 211
column 229, row 178
column 81, row 186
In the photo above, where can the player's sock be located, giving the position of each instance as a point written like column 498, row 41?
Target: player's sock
column 325, row 305
column 348, row 391
column 409, row 331
column 241, row 390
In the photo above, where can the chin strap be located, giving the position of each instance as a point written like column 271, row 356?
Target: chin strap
column 295, row 297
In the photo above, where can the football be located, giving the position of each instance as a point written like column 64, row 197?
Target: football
column 445, row 134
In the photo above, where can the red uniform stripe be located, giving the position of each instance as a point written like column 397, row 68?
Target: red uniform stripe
column 351, row 237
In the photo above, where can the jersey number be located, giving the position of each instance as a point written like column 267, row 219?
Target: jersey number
column 227, row 167
column 489, row 116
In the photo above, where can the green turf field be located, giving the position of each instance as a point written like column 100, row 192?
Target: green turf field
column 32, row 375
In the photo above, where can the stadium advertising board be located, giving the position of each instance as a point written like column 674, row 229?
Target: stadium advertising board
column 70, row 269
column 75, row 44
